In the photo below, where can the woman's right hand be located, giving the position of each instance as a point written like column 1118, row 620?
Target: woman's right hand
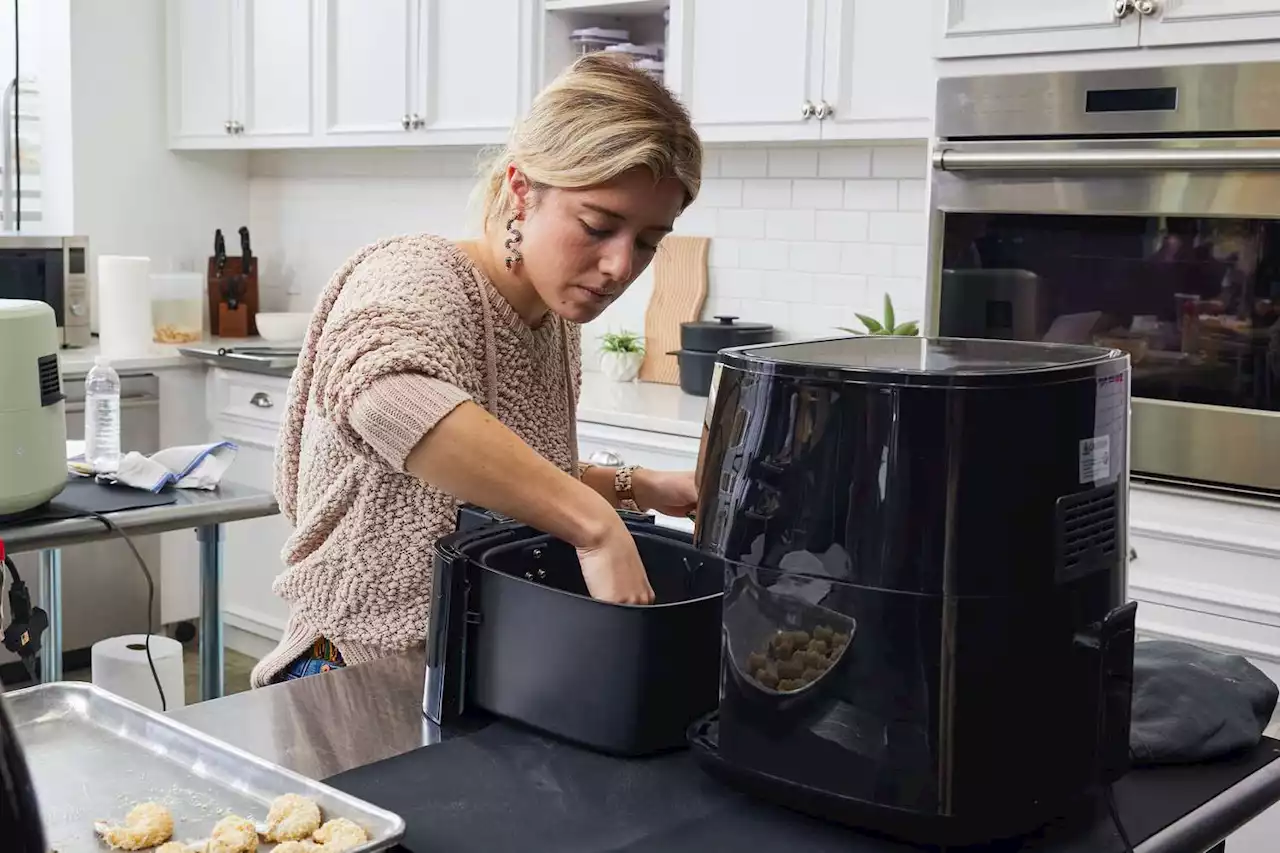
column 613, row 570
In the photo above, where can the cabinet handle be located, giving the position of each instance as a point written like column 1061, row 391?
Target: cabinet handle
column 261, row 400
column 1123, row 9
column 807, row 109
column 237, row 128
column 227, row 125
column 406, row 122
column 419, row 122
column 824, row 111
column 1146, row 8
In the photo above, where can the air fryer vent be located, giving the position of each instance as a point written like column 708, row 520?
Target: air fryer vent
column 50, row 382
column 1088, row 533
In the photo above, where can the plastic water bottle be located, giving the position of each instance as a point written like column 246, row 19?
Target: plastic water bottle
column 102, row 416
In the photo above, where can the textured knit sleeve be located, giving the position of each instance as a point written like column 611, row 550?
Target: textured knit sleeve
column 392, row 361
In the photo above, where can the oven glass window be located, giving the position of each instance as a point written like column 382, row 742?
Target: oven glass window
column 1195, row 302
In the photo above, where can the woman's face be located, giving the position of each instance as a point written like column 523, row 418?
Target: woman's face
column 583, row 248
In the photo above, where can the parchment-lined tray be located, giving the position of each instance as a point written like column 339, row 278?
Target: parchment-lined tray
column 94, row 756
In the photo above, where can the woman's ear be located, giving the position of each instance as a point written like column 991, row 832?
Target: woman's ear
column 519, row 186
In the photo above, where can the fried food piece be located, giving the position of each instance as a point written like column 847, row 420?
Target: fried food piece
column 755, row 661
column 768, row 678
column 790, row 669
column 818, row 647
column 292, row 818
column 147, row 825
column 298, row 847
column 787, row 685
column 823, row 633
column 233, row 834
column 340, row 835
column 173, row 847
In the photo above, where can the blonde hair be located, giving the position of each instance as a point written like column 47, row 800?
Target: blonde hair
column 600, row 118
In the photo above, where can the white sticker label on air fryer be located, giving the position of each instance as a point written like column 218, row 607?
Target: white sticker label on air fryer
column 1095, row 459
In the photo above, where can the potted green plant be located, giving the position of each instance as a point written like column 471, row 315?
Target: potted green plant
column 886, row 326
column 621, row 354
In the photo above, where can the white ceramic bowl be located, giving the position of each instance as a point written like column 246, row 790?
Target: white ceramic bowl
column 283, row 326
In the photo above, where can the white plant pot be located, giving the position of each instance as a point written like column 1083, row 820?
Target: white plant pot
column 621, row 366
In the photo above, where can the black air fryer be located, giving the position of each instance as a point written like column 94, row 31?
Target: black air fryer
column 515, row 633
column 925, row 623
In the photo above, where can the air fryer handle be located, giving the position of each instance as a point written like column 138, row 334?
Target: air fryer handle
column 1108, row 648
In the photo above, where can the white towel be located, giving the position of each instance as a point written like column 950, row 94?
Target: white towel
column 196, row 466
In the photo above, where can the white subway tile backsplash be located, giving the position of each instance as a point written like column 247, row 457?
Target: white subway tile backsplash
column 841, row 226
column 866, row 259
column 817, row 194
column 815, row 257
column 871, row 195
column 790, row 225
column 802, row 236
column 844, row 162
column 898, row 228
column 748, row 224
column 911, row 196
column 738, row 284
column 725, row 252
column 721, row 192
column 766, row 193
column 910, row 262
column 743, row 163
column 763, row 255
column 793, row 162
column 899, row 161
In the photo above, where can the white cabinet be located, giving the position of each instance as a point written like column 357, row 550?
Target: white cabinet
column 807, row 69
column 473, row 64
column 970, row 28
column 240, row 72
column 415, row 72
column 369, row 55
column 1001, row 27
column 1207, row 21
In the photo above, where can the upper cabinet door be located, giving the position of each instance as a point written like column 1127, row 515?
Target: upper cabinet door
column 200, row 68
column 274, row 59
column 879, row 80
column 1208, row 21
column 751, row 75
column 1006, row 27
column 473, row 63
column 366, row 67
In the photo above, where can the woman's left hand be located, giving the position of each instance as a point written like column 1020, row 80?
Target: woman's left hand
column 672, row 493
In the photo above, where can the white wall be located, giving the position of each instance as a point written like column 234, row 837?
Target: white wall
column 131, row 195
column 801, row 236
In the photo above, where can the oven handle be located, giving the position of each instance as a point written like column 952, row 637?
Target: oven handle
column 1108, row 160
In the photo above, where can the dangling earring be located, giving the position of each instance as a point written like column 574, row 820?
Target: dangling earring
column 513, row 242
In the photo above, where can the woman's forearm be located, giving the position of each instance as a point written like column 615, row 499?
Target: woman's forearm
column 473, row 457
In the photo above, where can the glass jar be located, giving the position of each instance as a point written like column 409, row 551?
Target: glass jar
column 178, row 302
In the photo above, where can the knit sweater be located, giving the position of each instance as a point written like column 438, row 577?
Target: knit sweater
column 404, row 332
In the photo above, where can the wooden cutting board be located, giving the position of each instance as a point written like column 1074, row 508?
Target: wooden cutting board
column 679, row 291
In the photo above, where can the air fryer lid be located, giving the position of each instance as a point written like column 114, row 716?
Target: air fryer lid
column 724, row 331
column 927, row 361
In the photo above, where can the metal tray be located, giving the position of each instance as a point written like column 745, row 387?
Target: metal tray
column 94, row 756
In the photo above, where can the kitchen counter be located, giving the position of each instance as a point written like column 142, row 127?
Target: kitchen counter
column 346, row 719
column 640, row 405
column 77, row 362
column 326, row 724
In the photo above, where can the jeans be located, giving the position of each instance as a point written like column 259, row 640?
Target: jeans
column 323, row 657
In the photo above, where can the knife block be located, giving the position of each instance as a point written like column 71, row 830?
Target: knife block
column 225, row 322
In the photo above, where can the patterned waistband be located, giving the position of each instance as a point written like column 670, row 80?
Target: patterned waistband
column 325, row 650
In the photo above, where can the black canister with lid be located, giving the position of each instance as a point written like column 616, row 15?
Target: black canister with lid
column 701, row 340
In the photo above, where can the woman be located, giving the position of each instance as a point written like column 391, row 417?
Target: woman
column 435, row 373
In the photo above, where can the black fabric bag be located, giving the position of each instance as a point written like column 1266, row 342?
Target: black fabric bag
column 1191, row 704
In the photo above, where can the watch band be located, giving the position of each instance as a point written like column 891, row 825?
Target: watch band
column 623, row 486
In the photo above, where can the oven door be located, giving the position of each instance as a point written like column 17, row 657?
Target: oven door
column 1168, row 249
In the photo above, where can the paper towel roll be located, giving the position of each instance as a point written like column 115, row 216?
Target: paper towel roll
column 120, row 667
column 124, row 305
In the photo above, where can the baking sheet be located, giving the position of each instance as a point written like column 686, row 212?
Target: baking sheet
column 94, row 756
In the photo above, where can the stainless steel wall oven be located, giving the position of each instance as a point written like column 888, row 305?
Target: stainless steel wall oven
column 1138, row 209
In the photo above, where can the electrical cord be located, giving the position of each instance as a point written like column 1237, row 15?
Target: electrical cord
column 23, row 632
column 151, row 596
column 1115, row 818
